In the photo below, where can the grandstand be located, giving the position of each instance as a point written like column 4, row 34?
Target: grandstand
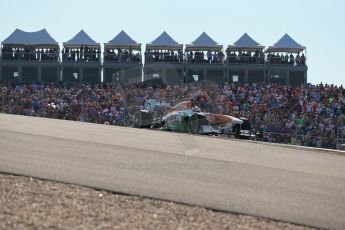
column 204, row 60
column 164, row 59
column 30, row 57
column 122, row 60
column 81, row 59
column 36, row 57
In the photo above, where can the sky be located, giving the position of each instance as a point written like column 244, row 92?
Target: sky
column 318, row 25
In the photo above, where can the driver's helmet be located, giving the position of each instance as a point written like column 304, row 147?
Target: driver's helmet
column 194, row 107
column 192, row 101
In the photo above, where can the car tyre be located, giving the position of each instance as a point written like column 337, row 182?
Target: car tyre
column 142, row 119
column 193, row 124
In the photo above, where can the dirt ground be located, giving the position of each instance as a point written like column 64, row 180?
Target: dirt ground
column 27, row 203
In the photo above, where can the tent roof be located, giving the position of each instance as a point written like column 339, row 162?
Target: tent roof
column 23, row 38
column 122, row 40
column 81, row 38
column 164, row 41
column 286, row 44
column 204, row 42
column 246, row 43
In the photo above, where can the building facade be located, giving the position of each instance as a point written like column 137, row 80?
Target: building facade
column 35, row 57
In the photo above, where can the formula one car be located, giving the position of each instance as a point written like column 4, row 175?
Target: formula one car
column 186, row 117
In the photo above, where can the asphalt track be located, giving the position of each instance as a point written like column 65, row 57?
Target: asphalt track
column 300, row 186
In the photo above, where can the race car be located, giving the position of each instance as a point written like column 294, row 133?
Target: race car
column 187, row 117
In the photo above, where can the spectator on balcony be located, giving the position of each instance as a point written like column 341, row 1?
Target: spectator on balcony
column 239, row 58
column 298, row 59
column 302, row 61
column 180, row 56
column 228, row 53
column 26, row 53
column 168, row 56
column 246, row 57
column 262, row 58
column 165, row 57
column 72, row 55
column 232, row 57
column 7, row 53
column 146, row 55
column 190, row 57
column 79, row 53
column 214, row 57
column 209, row 56
column 65, row 53
column 119, row 55
column 86, row 53
column 221, row 56
column 292, row 59
column 282, row 59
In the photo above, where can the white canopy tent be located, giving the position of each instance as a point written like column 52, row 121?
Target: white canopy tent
column 81, row 39
column 124, row 41
column 286, row 44
column 20, row 38
column 204, row 42
column 246, row 43
column 164, row 41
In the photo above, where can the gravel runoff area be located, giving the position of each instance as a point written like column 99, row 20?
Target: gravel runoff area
column 28, row 203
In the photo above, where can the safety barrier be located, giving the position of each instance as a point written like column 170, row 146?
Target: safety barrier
column 331, row 142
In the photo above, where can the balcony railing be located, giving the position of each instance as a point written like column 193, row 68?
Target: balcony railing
column 30, row 56
column 153, row 58
column 253, row 60
column 266, row 60
column 204, row 58
column 122, row 58
column 167, row 58
column 286, row 60
column 81, row 57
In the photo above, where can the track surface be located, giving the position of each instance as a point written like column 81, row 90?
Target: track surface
column 299, row 186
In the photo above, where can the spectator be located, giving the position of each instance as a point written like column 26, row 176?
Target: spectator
column 292, row 59
column 309, row 115
column 302, row 61
column 298, row 59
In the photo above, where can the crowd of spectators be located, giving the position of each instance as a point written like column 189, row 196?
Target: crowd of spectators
column 122, row 55
column 87, row 103
column 163, row 56
column 257, row 57
column 205, row 57
column 29, row 54
column 309, row 115
column 84, row 53
column 286, row 59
